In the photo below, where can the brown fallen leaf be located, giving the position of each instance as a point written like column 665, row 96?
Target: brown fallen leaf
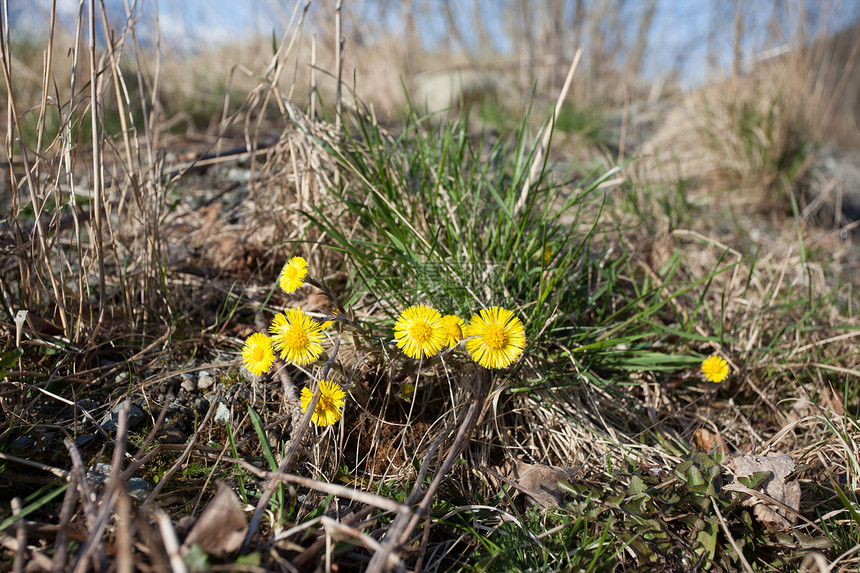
column 783, row 496
column 831, row 399
column 801, row 408
column 537, row 481
column 221, row 527
column 708, row 442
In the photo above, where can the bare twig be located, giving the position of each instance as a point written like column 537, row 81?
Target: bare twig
column 298, row 435
column 178, row 463
column 405, row 523
column 59, row 562
column 20, row 537
column 171, row 542
column 544, row 143
column 96, row 529
column 38, row 465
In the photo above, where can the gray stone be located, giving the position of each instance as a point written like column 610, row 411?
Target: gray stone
column 138, row 488
column 171, row 435
column 23, row 443
column 83, row 440
column 136, row 417
column 222, row 414
column 99, row 474
column 188, row 382
column 202, row 406
column 204, row 382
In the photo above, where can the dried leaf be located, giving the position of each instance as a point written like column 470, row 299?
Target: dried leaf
column 539, row 482
column 708, row 442
column 221, row 527
column 775, row 488
column 800, row 410
column 831, row 399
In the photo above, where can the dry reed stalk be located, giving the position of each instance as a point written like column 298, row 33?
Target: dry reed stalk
column 185, row 452
column 405, row 523
column 537, row 162
column 296, row 442
column 338, row 66
column 98, row 170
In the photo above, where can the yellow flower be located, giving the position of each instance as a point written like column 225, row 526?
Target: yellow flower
column 453, row 326
column 547, row 255
column 293, row 274
column 328, row 408
column 257, row 354
column 715, row 369
column 495, row 337
column 419, row 331
column 297, row 337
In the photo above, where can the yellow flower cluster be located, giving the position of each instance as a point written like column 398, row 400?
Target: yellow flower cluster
column 494, row 337
column 298, row 339
column 296, row 336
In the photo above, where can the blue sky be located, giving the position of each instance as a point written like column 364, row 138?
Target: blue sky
column 679, row 35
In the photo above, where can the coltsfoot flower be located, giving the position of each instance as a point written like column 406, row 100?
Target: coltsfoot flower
column 257, row 354
column 453, row 326
column 419, row 331
column 329, row 407
column 297, row 337
column 293, row 274
column 495, row 337
column 715, row 369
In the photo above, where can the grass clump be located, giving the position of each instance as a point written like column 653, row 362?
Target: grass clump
column 760, row 134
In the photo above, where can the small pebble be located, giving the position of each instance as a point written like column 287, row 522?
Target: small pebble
column 23, row 443
column 83, row 440
column 136, row 417
column 138, row 488
column 204, row 382
column 171, row 435
column 99, row 474
column 87, row 404
column 222, row 414
column 188, row 383
column 202, row 405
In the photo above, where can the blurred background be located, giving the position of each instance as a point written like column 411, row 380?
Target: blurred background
column 631, row 49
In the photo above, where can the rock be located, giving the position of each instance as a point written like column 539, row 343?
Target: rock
column 138, row 488
column 171, row 435
column 83, row 440
column 136, row 417
column 222, row 414
column 99, row 474
column 23, row 443
column 204, row 382
column 188, row 383
column 87, row 404
column 202, row 406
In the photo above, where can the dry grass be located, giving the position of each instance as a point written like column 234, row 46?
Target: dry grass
column 137, row 270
